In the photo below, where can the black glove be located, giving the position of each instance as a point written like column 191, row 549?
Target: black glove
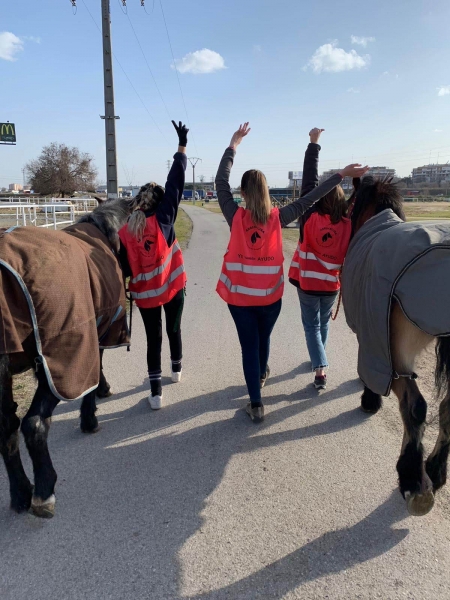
column 182, row 131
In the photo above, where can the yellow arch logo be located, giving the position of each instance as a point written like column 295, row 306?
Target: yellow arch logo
column 7, row 132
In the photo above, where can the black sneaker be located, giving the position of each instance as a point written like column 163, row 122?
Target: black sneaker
column 256, row 413
column 264, row 378
column 320, row 382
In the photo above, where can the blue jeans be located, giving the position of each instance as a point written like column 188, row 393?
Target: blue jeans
column 316, row 313
column 254, row 325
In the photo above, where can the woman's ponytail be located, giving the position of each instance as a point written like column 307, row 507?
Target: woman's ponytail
column 136, row 224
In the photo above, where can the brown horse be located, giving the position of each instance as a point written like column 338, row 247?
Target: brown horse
column 61, row 298
column 394, row 293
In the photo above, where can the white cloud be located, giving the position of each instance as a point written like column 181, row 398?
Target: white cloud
column 10, row 45
column 353, row 90
column 32, row 38
column 443, row 90
column 331, row 59
column 361, row 41
column 200, row 61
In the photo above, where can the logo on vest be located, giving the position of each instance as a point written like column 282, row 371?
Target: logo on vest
column 326, row 237
column 147, row 242
column 255, row 241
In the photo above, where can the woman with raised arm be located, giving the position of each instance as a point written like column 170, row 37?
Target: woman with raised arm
column 252, row 279
column 324, row 239
column 152, row 258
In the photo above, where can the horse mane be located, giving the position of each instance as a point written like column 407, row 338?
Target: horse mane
column 373, row 195
column 109, row 217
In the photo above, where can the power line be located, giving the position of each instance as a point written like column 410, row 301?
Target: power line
column 129, row 80
column 176, row 71
column 148, row 66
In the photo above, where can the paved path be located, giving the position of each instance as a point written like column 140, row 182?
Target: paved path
column 195, row 501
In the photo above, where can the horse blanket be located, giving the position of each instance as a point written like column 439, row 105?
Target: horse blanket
column 389, row 259
column 65, row 288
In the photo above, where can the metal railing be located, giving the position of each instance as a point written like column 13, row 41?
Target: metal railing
column 40, row 215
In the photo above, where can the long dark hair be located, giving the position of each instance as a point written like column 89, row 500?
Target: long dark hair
column 334, row 205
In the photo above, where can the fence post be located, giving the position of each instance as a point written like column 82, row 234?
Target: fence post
column 54, row 217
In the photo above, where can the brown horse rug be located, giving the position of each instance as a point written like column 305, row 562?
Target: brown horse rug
column 66, row 289
column 390, row 259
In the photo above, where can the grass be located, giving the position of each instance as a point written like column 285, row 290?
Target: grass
column 427, row 210
column 183, row 228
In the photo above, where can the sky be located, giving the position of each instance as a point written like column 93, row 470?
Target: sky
column 374, row 75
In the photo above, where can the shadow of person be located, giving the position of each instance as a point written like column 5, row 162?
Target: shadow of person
column 330, row 553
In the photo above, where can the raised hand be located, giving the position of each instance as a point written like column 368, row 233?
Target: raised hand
column 182, row 132
column 354, row 170
column 314, row 135
column 239, row 135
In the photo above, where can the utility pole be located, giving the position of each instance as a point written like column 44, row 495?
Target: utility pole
column 23, row 176
column 109, row 116
column 194, row 160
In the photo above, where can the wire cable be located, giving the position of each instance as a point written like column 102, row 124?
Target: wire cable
column 145, row 10
column 148, row 66
column 123, row 6
column 129, row 80
column 176, row 71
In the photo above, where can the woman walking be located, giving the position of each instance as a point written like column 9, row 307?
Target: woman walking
column 151, row 256
column 252, row 279
column 324, row 239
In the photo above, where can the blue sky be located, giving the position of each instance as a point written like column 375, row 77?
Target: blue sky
column 374, row 74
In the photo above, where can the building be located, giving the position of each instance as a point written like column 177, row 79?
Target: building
column 381, row 172
column 431, row 174
column 295, row 179
column 15, row 187
column 347, row 183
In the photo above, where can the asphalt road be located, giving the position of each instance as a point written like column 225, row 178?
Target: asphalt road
column 195, row 501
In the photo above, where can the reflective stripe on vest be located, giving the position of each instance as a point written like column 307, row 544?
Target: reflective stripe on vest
column 161, row 290
column 240, row 289
column 251, row 269
column 147, row 276
column 312, row 256
column 317, row 275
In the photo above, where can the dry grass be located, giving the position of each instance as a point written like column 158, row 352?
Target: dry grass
column 183, row 228
column 416, row 211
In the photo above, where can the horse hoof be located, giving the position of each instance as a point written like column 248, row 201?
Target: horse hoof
column 419, row 505
column 368, row 411
column 104, row 394
column 95, row 430
column 45, row 509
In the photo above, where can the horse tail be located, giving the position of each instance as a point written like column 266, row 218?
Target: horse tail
column 442, row 373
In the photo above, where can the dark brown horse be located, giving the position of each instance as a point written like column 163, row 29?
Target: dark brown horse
column 380, row 238
column 67, row 362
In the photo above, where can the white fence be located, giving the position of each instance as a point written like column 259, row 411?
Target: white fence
column 43, row 214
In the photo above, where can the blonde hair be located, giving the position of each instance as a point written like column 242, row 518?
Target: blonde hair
column 148, row 198
column 257, row 198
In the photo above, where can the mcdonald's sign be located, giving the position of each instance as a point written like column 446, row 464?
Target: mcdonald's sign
column 7, row 133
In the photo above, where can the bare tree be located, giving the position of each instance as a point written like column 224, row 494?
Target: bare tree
column 202, row 178
column 60, row 171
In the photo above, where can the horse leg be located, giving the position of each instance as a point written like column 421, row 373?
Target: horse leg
column 436, row 464
column 407, row 341
column 20, row 487
column 35, row 427
column 370, row 402
column 89, row 423
column 104, row 389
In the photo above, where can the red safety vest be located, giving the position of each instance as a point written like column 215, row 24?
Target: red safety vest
column 252, row 270
column 318, row 259
column 157, row 270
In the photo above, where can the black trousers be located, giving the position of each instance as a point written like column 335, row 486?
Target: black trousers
column 153, row 329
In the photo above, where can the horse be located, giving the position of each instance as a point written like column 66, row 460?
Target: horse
column 394, row 284
column 62, row 297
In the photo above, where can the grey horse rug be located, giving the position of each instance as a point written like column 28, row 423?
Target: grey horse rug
column 64, row 289
column 389, row 259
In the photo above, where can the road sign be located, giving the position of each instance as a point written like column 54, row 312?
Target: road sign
column 7, row 133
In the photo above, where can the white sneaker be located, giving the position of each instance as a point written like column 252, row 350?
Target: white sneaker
column 176, row 376
column 155, row 402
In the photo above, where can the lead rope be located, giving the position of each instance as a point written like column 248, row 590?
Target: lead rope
column 130, row 300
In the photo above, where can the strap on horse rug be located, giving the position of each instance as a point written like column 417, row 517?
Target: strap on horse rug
column 390, row 259
column 66, row 288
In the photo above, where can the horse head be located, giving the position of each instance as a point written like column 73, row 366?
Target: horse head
column 109, row 217
column 371, row 196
